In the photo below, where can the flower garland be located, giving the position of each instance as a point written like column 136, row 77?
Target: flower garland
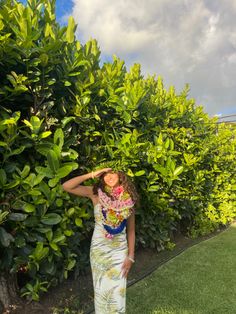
column 115, row 209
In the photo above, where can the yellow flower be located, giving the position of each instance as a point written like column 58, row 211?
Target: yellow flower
column 125, row 196
column 122, row 292
column 113, row 273
column 115, row 243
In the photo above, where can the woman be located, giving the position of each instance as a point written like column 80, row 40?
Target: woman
column 111, row 251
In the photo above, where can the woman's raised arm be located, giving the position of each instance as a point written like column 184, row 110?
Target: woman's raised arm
column 74, row 186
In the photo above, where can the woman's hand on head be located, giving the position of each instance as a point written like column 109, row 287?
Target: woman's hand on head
column 98, row 173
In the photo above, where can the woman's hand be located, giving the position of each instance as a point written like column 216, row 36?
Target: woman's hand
column 99, row 172
column 127, row 264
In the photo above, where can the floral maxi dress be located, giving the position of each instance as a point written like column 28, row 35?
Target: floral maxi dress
column 106, row 258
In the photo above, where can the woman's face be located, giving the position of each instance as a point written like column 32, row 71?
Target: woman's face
column 111, row 179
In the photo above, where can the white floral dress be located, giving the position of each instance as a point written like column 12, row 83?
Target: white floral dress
column 106, row 258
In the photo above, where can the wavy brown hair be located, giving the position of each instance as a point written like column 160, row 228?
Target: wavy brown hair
column 124, row 180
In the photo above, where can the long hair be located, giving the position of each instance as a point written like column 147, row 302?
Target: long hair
column 124, row 180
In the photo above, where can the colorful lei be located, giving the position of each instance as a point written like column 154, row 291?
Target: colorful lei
column 115, row 209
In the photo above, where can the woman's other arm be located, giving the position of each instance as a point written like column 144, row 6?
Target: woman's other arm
column 131, row 245
column 131, row 235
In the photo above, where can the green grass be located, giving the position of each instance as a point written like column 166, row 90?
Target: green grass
column 200, row 280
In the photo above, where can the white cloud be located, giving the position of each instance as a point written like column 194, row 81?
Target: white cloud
column 232, row 58
column 185, row 41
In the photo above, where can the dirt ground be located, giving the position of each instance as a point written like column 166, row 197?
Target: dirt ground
column 76, row 296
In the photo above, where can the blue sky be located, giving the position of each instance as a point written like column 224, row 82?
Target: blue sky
column 63, row 9
column 184, row 41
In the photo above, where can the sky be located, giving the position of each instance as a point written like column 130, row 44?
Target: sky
column 184, row 41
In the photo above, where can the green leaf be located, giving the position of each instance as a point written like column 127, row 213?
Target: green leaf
column 3, row 177
column 68, row 233
column 167, row 143
column 28, row 208
column 153, row 188
column 51, row 82
column 48, row 31
column 59, row 138
column 70, row 30
column 12, row 184
column 43, row 187
column 97, row 133
column 127, row 117
column 40, row 252
column 50, row 268
column 17, row 216
column 139, row 173
column 49, row 235
column 160, row 139
column 51, row 219
column 3, row 144
column 43, row 148
column 36, row 124
column 74, row 73
column 17, row 151
column 44, row 229
column 33, row 180
column 53, row 182
column 160, row 169
column 45, row 134
column 59, row 202
column 30, row 179
column 5, row 237
column 25, row 171
column 28, row 124
column 71, row 264
column 67, row 83
column 44, row 171
column 18, row 204
column 1, row 25
column 130, row 173
column 178, row 171
column 97, row 117
column 66, row 120
column 53, row 161
column 31, row 221
column 64, row 171
column 54, row 246
column 20, row 241
column 71, row 211
column 36, row 192
column 3, row 215
column 44, row 59
column 78, row 222
column 38, row 179
column 59, row 238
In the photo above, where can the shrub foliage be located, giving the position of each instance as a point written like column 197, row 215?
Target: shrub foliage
column 62, row 112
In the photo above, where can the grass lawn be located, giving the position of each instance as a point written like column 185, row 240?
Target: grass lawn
column 200, row 280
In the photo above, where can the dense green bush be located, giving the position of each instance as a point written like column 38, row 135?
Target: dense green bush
column 62, row 112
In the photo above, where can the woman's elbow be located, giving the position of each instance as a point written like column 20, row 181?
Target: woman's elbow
column 65, row 187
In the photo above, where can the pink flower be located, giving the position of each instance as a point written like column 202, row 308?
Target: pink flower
column 109, row 236
column 118, row 190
